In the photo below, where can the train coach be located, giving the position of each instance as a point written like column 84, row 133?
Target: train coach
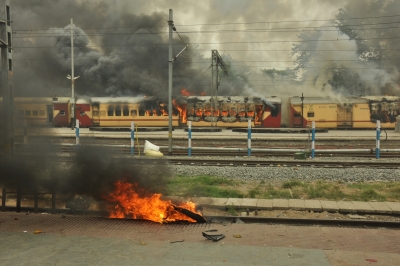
column 344, row 113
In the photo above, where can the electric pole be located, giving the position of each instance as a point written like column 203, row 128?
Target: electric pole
column 6, row 78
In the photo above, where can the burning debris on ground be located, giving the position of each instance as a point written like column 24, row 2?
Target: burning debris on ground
column 120, row 188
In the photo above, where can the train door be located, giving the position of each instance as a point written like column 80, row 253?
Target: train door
column 297, row 120
column 344, row 116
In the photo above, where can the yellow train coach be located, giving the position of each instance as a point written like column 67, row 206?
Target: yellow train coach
column 121, row 111
column 341, row 113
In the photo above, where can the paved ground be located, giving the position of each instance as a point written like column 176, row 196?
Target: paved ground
column 226, row 133
column 84, row 240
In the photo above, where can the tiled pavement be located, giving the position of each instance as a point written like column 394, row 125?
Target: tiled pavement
column 85, row 240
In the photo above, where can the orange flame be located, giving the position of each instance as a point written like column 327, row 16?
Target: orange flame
column 127, row 201
column 182, row 111
column 185, row 92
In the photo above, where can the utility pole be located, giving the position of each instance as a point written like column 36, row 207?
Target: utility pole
column 170, row 62
column 6, row 78
column 216, row 60
column 72, row 78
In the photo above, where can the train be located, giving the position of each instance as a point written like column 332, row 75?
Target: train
column 205, row 111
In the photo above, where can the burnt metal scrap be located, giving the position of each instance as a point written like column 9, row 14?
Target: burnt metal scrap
column 213, row 237
column 195, row 216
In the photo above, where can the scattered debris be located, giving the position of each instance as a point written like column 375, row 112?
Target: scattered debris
column 237, row 236
column 238, row 221
column 37, row 232
column 212, row 230
column 142, row 243
column 62, row 215
column 214, row 238
column 371, row 260
column 177, row 241
column 15, row 218
column 355, row 216
column 27, row 213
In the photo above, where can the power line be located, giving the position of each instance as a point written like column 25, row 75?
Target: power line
column 231, row 23
column 284, row 30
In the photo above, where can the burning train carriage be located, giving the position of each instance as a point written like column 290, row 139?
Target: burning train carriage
column 121, row 111
column 349, row 112
column 234, row 111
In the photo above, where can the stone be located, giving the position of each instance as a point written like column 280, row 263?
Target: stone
column 280, row 204
column 236, row 202
column 218, row 202
column 313, row 205
column 346, row 206
column 296, row 204
column 264, row 204
column 394, row 206
column 363, row 207
column 249, row 203
column 380, row 207
column 329, row 206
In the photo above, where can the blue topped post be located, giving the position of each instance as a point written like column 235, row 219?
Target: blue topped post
column 77, row 131
column 249, row 138
column 313, row 139
column 189, row 138
column 132, row 138
column 378, row 139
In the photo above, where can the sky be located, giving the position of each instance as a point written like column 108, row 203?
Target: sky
column 121, row 47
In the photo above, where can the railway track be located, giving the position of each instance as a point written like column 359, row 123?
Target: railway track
column 236, row 162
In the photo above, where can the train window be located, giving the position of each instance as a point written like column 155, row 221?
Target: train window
column 118, row 111
column 110, row 111
column 125, row 111
column 310, row 114
column 62, row 113
column 27, row 112
column 297, row 115
column 274, row 111
column 20, row 112
column 133, row 112
column 35, row 112
column 95, row 113
column 42, row 112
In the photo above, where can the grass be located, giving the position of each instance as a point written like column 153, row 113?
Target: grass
column 209, row 186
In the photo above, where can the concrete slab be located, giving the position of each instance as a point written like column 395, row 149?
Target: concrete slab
column 363, row 207
column 380, row 207
column 249, row 203
column 329, row 206
column 236, row 202
column 296, row 204
column 313, row 205
column 346, row 206
column 203, row 201
column 264, row 204
column 218, row 203
column 394, row 206
column 280, row 204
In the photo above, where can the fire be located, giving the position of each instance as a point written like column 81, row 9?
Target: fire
column 185, row 92
column 129, row 201
column 182, row 111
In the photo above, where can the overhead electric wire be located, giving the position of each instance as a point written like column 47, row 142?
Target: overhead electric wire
column 291, row 29
column 231, row 23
